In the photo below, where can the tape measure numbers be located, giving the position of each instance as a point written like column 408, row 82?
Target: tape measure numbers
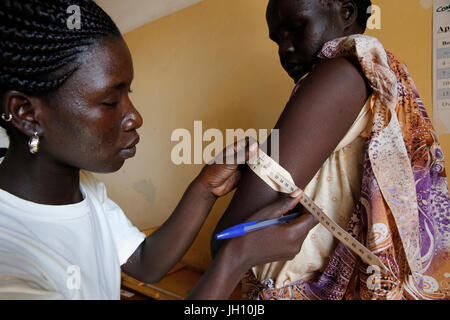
column 280, row 180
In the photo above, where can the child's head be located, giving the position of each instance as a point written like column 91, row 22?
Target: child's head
column 68, row 85
column 302, row 27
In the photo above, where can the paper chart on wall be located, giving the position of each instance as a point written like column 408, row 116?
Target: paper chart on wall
column 441, row 66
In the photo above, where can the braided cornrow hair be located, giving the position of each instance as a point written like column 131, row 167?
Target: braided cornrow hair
column 38, row 52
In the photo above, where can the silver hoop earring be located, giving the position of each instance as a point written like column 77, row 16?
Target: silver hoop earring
column 7, row 119
column 33, row 144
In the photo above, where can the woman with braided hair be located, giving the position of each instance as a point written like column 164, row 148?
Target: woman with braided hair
column 65, row 106
column 364, row 151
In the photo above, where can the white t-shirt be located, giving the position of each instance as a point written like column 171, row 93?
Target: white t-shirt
column 64, row 252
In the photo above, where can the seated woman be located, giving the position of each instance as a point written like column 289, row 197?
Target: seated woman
column 64, row 102
column 356, row 137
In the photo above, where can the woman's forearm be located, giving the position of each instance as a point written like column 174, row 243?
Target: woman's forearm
column 164, row 248
column 221, row 278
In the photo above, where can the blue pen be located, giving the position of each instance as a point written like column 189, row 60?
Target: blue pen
column 244, row 228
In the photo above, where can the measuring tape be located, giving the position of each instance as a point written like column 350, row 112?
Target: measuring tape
column 280, row 180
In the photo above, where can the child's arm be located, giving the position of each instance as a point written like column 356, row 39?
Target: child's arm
column 157, row 255
column 313, row 123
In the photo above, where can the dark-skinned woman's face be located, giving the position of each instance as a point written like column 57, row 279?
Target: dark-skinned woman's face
column 301, row 28
column 90, row 122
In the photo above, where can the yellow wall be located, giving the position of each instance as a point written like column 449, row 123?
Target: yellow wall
column 214, row 62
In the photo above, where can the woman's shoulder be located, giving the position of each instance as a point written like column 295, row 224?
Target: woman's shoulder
column 339, row 77
column 93, row 185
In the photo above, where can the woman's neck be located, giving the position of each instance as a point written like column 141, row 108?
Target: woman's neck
column 39, row 180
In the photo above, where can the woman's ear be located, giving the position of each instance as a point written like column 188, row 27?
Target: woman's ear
column 25, row 112
column 349, row 12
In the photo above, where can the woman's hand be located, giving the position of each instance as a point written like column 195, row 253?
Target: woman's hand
column 223, row 173
column 277, row 243
column 238, row 255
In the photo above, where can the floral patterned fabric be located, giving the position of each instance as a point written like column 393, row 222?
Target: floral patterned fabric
column 403, row 211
